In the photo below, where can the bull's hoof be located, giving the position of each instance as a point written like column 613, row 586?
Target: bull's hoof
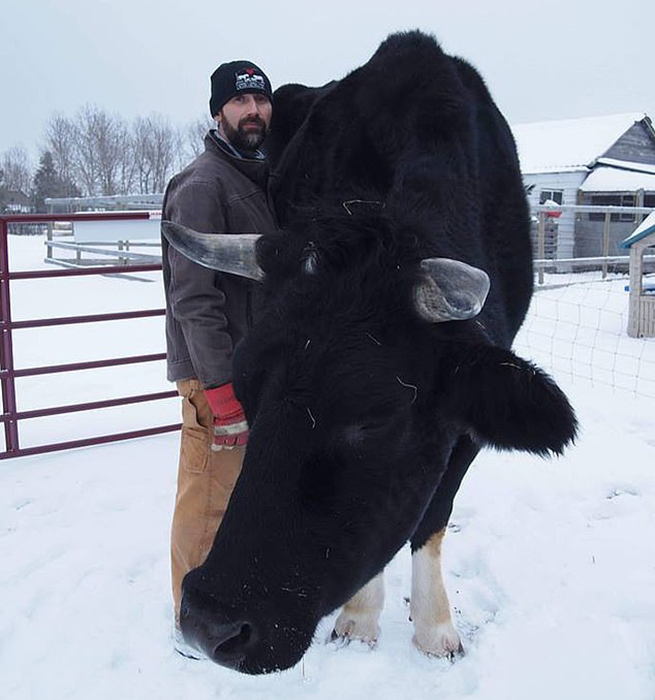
column 440, row 641
column 361, row 629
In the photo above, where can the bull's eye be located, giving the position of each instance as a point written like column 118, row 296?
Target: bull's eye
column 309, row 266
column 310, row 259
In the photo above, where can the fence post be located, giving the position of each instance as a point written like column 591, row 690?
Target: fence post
column 541, row 243
column 640, row 198
column 6, row 346
column 48, row 247
column 606, row 241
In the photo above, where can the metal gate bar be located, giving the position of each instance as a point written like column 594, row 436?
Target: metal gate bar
column 8, row 372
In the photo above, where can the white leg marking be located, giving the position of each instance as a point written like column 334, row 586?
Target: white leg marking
column 360, row 615
column 434, row 633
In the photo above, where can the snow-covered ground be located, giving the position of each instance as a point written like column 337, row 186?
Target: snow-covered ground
column 550, row 565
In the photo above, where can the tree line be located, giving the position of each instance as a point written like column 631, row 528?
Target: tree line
column 96, row 153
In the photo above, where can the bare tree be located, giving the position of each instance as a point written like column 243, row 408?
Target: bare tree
column 157, row 147
column 110, row 141
column 100, row 154
column 61, row 142
column 17, row 170
column 140, row 140
column 166, row 150
column 103, row 152
column 123, row 141
column 86, row 157
column 195, row 133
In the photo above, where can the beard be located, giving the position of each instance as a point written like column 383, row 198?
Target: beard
column 249, row 134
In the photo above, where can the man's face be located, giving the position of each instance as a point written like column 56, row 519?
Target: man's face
column 244, row 120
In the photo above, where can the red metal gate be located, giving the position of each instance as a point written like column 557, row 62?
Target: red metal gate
column 8, row 374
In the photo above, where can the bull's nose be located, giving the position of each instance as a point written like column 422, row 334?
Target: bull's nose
column 229, row 644
column 224, row 641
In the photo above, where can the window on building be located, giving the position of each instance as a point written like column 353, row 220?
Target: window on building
column 613, row 200
column 553, row 195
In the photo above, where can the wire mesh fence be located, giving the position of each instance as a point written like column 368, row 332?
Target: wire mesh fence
column 576, row 327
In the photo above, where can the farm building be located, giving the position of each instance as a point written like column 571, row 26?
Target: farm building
column 641, row 321
column 17, row 202
column 118, row 202
column 598, row 161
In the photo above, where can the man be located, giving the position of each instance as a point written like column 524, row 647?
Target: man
column 224, row 190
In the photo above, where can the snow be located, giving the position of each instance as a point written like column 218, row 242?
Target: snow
column 604, row 179
column 550, row 564
column 111, row 231
column 645, row 228
column 81, row 342
column 627, row 165
column 569, row 144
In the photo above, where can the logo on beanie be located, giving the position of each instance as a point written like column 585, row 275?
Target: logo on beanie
column 249, row 80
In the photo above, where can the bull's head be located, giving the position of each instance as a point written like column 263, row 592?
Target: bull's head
column 448, row 290
column 357, row 382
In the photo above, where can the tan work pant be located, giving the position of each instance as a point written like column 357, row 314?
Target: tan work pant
column 204, row 484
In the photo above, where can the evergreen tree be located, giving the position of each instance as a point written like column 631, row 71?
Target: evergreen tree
column 48, row 183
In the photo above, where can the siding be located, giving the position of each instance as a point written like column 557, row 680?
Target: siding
column 570, row 184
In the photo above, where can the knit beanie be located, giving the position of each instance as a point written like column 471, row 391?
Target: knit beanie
column 234, row 78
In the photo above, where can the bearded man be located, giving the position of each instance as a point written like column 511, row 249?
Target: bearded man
column 224, row 190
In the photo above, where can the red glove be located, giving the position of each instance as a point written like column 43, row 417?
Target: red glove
column 230, row 427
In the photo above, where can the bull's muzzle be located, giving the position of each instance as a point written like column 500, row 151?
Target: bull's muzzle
column 223, row 641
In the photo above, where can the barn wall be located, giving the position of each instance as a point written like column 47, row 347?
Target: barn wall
column 589, row 233
column 570, row 184
column 589, row 227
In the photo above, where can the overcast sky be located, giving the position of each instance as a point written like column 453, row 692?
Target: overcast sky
column 542, row 60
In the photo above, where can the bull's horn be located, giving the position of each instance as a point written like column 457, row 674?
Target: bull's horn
column 450, row 290
column 226, row 252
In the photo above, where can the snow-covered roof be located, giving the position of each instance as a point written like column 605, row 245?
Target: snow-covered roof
column 627, row 165
column 646, row 228
column 569, row 144
column 605, row 179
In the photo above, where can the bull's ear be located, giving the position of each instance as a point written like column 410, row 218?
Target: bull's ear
column 507, row 402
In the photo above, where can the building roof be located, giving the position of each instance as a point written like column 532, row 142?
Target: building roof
column 17, row 197
column 603, row 179
column 627, row 165
column 138, row 202
column 646, row 228
column 570, row 144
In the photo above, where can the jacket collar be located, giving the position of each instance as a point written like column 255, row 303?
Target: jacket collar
column 255, row 169
column 229, row 148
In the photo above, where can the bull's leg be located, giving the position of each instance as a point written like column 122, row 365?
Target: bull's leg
column 360, row 616
column 434, row 633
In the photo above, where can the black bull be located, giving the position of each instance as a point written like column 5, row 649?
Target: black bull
column 370, row 381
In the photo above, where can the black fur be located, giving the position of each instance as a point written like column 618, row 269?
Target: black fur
column 364, row 418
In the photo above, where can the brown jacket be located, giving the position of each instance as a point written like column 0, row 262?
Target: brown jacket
column 208, row 312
